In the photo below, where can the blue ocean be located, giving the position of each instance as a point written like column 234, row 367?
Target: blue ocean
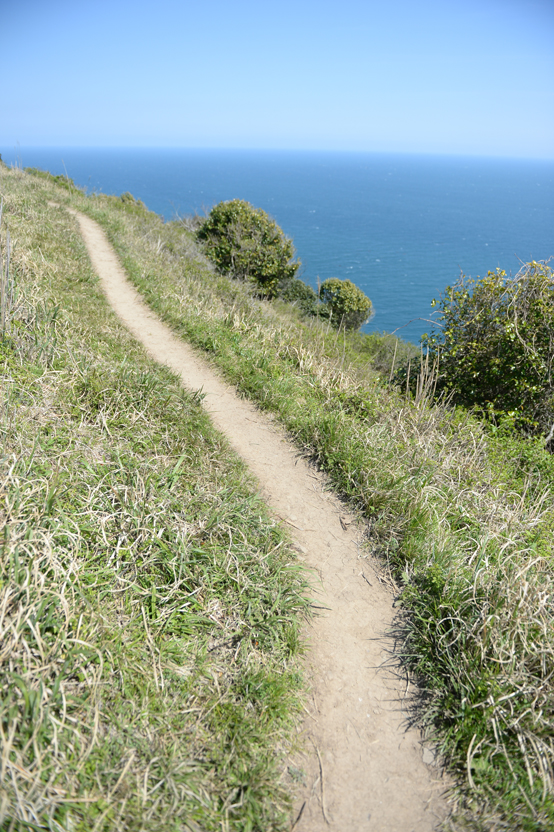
column 401, row 227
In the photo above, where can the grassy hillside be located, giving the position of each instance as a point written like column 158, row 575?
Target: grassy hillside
column 461, row 516
column 149, row 606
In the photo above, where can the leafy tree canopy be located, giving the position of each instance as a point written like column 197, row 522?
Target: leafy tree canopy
column 348, row 305
column 245, row 242
column 496, row 345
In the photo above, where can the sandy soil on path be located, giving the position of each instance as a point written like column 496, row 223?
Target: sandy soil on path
column 362, row 769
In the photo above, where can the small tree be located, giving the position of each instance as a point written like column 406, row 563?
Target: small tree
column 245, row 242
column 348, row 305
column 496, row 345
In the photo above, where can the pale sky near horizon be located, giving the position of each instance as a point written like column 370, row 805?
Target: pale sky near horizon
column 471, row 77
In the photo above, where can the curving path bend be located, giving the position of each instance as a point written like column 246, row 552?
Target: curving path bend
column 363, row 770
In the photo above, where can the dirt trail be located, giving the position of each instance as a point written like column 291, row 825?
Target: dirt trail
column 364, row 771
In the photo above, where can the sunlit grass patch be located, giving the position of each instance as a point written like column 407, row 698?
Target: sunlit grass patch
column 149, row 605
column 462, row 517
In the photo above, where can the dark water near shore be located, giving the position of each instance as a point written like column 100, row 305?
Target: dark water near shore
column 400, row 227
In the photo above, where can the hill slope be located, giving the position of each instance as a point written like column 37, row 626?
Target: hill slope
column 462, row 518
column 150, row 604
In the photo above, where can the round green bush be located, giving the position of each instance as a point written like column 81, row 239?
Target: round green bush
column 245, row 242
column 348, row 305
column 495, row 345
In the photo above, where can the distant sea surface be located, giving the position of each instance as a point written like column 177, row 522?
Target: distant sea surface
column 401, row 227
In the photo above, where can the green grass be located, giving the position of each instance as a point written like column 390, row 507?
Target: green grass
column 149, row 605
column 462, row 517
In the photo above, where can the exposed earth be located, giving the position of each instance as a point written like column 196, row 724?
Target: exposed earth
column 359, row 765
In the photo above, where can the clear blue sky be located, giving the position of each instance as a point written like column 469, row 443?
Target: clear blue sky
column 432, row 76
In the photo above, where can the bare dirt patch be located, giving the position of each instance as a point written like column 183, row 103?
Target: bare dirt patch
column 361, row 769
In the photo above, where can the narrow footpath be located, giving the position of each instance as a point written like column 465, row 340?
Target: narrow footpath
column 362, row 769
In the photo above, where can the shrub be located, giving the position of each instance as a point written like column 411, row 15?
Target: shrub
column 496, row 345
column 246, row 243
column 128, row 199
column 58, row 179
column 348, row 305
column 300, row 294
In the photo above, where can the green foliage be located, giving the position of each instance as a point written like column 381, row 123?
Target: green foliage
column 129, row 200
column 300, row 294
column 496, row 345
column 58, row 179
column 383, row 350
column 349, row 306
column 134, row 666
column 246, row 243
column 462, row 515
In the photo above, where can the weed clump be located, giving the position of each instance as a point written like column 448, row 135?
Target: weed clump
column 58, row 179
column 301, row 295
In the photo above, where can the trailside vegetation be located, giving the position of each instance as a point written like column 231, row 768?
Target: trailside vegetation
column 245, row 242
column 149, row 604
column 461, row 516
column 495, row 347
column 349, row 307
column 297, row 292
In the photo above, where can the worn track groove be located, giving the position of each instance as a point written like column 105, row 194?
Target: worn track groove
column 364, row 770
